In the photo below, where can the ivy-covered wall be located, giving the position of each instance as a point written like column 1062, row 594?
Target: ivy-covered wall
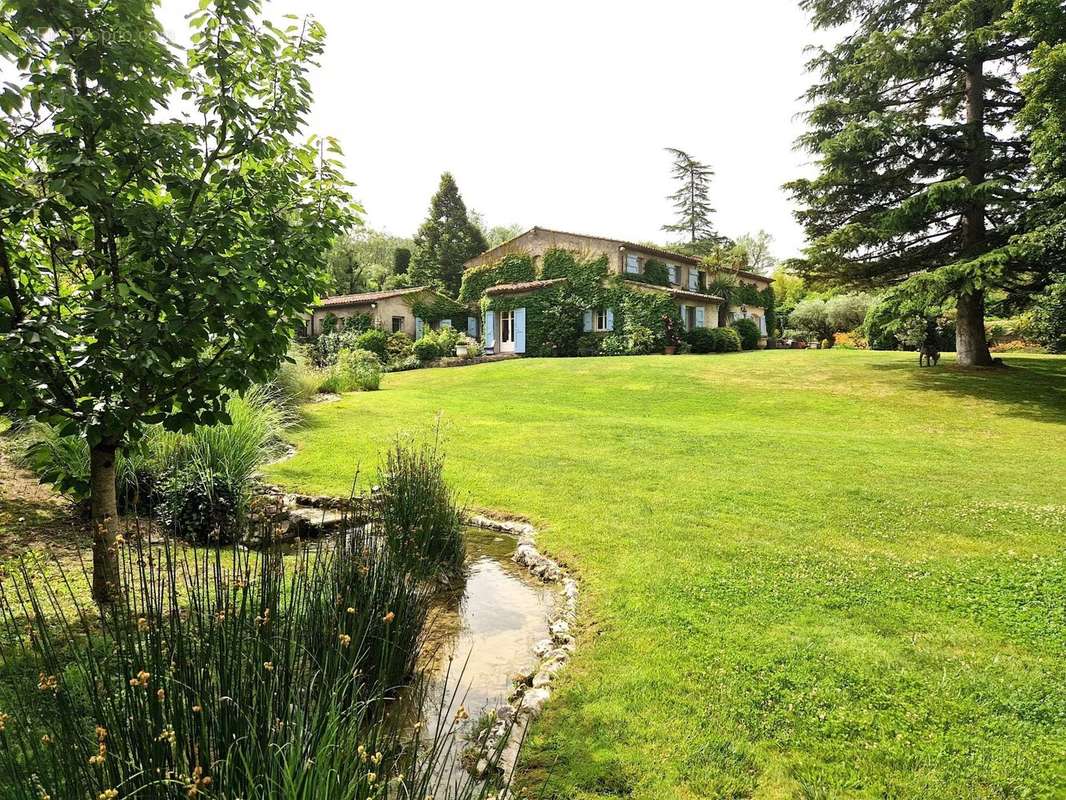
column 510, row 269
column 555, row 314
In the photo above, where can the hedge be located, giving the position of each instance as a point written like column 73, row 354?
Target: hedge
column 510, row 269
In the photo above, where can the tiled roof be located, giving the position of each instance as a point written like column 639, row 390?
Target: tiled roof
column 369, row 297
column 524, row 286
column 683, row 294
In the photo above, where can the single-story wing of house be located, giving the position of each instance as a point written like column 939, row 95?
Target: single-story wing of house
column 640, row 268
column 411, row 310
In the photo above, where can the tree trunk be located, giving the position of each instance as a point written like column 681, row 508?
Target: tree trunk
column 971, row 346
column 107, row 584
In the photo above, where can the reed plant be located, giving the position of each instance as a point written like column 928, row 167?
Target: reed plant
column 224, row 673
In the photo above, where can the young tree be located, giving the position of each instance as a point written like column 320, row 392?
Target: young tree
column 922, row 167
column 446, row 240
column 401, row 260
column 151, row 263
column 692, row 203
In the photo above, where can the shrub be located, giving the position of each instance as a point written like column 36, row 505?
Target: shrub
column 420, row 518
column 702, row 340
column 851, row 340
column 404, row 364
column 846, row 312
column 613, row 345
column 426, row 349
column 355, row 370
column 374, row 341
column 726, row 340
column 640, row 340
column 399, row 346
column 474, row 348
column 748, row 332
column 1049, row 317
column 323, row 350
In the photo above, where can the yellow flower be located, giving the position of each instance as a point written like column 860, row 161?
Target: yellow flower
column 142, row 624
column 351, row 610
column 47, row 683
column 141, row 679
column 161, row 695
column 461, row 714
column 371, row 777
column 3, row 721
column 345, row 639
column 268, row 666
column 376, row 759
column 388, row 618
column 107, row 794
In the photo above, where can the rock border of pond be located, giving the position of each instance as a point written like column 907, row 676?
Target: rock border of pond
column 531, row 691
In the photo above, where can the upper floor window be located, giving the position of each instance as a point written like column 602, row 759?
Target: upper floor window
column 693, row 279
column 632, row 264
column 671, row 272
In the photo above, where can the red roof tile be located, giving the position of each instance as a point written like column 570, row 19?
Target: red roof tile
column 524, row 286
column 370, row 297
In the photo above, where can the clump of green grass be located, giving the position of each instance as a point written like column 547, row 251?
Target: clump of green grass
column 223, row 674
column 421, row 519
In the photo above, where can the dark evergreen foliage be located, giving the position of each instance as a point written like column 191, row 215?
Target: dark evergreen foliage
column 446, row 240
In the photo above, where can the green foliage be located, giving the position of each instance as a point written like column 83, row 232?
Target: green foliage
column 1050, row 316
column 426, row 349
column 655, row 272
column 701, row 340
column 876, row 327
column 399, row 346
column 365, row 260
column 745, row 294
column 516, row 268
column 373, row 340
column 219, row 672
column 811, row 316
column 355, row 371
column 726, row 340
column 421, row 519
column 748, row 332
column 323, row 349
column 162, row 299
column 440, row 308
column 691, row 201
column 446, row 240
column 845, row 312
column 914, row 124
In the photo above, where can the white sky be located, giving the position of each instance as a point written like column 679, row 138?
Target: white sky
column 556, row 113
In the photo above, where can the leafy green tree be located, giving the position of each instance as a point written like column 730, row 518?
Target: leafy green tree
column 401, row 260
column 152, row 262
column 446, row 240
column 811, row 316
column 754, row 252
column 846, row 312
column 364, row 260
column 692, row 203
column 922, row 167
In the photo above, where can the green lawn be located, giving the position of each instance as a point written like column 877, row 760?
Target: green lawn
column 805, row 574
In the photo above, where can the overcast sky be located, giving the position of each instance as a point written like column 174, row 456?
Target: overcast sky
column 556, row 113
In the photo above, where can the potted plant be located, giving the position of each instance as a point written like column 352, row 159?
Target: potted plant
column 462, row 347
column 673, row 336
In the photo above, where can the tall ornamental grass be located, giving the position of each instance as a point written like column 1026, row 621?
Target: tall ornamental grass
column 419, row 513
column 224, row 674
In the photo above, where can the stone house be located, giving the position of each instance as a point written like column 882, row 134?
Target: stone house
column 687, row 279
column 391, row 310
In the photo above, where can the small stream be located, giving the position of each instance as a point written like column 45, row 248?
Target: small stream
column 489, row 634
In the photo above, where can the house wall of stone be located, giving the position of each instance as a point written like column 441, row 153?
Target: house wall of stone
column 381, row 313
column 537, row 242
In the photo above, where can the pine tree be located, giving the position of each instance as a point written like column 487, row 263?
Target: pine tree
column 922, row 168
column 445, row 241
column 692, row 203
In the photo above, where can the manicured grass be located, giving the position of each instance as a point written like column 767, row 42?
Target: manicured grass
column 805, row 574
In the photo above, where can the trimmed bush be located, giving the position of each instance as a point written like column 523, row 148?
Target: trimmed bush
column 399, row 346
column 702, row 340
column 726, row 340
column 425, row 349
column 373, row 340
column 748, row 332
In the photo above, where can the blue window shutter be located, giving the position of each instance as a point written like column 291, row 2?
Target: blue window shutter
column 520, row 330
column 699, row 316
column 762, row 325
column 489, row 340
column 445, row 323
column 610, row 319
column 684, row 317
column 418, row 327
column 471, row 327
column 588, row 321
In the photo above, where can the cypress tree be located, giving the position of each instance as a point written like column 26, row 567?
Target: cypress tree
column 446, row 239
column 922, row 170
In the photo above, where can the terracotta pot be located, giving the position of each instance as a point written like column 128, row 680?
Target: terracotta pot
column 670, row 349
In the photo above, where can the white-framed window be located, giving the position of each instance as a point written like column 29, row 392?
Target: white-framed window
column 693, row 279
column 507, row 326
column 601, row 320
column 671, row 272
column 632, row 264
